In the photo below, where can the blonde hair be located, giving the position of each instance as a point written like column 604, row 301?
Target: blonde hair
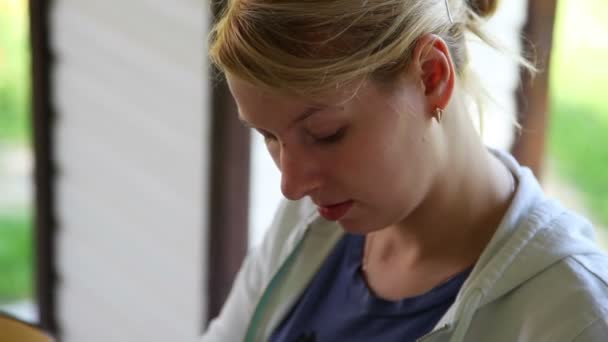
column 308, row 47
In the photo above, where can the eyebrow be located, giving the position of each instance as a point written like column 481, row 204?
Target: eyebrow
column 306, row 114
column 301, row 117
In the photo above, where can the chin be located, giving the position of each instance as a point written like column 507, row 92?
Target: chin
column 353, row 226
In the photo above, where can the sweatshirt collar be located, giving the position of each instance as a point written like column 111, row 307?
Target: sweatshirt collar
column 534, row 234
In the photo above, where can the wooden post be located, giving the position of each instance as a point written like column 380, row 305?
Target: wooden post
column 229, row 201
column 44, row 171
column 533, row 95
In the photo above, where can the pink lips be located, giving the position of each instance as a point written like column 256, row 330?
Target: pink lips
column 335, row 212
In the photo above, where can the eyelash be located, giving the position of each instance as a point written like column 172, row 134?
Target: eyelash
column 333, row 138
column 327, row 140
column 268, row 137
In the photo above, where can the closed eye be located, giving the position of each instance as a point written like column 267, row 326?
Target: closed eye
column 332, row 138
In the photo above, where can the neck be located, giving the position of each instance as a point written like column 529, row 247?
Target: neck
column 461, row 211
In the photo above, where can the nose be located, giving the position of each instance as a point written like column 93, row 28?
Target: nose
column 299, row 174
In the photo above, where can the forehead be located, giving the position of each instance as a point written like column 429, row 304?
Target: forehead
column 255, row 103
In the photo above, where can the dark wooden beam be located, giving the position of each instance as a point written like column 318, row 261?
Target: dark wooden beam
column 533, row 95
column 44, row 171
column 228, row 229
column 229, row 198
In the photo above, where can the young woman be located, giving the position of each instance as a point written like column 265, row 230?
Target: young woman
column 400, row 225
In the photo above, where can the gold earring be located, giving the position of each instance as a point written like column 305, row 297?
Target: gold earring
column 438, row 114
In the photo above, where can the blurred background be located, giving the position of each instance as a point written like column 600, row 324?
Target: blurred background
column 134, row 145
column 16, row 158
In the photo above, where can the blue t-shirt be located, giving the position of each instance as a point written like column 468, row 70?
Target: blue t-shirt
column 338, row 306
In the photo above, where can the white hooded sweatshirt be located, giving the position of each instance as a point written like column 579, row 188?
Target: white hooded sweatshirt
column 540, row 278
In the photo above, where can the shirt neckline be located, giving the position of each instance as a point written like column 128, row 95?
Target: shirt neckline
column 360, row 293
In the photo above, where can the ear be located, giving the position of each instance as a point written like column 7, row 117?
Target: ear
column 433, row 65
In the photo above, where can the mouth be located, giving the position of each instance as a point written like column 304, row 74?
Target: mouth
column 334, row 212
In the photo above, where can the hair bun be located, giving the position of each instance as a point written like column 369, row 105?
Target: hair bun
column 483, row 8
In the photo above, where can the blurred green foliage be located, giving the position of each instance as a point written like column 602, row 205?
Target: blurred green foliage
column 15, row 257
column 578, row 139
column 15, row 227
column 14, row 73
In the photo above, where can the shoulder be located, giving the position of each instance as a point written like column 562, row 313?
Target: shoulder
column 256, row 271
column 560, row 277
column 287, row 227
column 573, row 289
column 290, row 214
column 595, row 332
column 576, row 295
column 573, row 292
column 567, row 301
column 582, row 279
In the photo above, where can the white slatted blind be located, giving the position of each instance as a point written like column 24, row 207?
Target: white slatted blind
column 130, row 92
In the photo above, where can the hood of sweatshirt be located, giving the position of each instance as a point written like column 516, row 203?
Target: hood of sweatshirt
column 534, row 234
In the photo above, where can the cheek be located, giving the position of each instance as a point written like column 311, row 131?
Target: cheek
column 388, row 162
column 362, row 164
